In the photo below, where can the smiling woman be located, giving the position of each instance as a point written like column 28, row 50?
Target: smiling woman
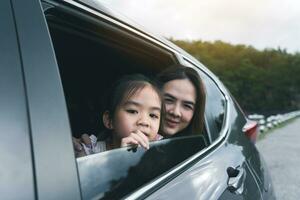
column 184, row 98
column 180, row 99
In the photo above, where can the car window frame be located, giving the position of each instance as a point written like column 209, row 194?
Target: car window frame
column 176, row 54
column 194, row 158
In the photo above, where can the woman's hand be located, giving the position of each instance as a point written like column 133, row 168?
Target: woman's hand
column 136, row 138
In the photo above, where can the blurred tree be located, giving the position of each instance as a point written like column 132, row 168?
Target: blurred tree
column 265, row 81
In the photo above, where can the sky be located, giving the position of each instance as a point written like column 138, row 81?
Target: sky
column 259, row 23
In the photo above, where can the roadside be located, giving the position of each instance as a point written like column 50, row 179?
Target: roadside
column 282, row 125
column 280, row 149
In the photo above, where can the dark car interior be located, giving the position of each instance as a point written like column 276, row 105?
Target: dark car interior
column 89, row 63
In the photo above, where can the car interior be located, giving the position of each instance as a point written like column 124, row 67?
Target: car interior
column 89, row 63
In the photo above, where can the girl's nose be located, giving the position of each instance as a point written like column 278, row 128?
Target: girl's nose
column 143, row 121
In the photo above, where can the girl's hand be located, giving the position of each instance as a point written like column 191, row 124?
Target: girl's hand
column 136, row 138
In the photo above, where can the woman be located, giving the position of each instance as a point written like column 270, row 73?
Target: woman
column 184, row 98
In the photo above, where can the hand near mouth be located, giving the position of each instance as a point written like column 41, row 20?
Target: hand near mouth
column 136, row 138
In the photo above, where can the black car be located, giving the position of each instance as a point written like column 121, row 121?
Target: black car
column 57, row 59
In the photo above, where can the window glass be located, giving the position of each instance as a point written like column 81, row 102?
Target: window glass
column 116, row 173
column 215, row 107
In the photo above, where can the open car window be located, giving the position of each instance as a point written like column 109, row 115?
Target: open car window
column 92, row 53
column 91, row 56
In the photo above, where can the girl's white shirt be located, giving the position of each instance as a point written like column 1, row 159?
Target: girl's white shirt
column 95, row 147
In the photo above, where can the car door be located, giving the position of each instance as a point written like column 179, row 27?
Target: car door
column 222, row 170
column 54, row 168
column 16, row 168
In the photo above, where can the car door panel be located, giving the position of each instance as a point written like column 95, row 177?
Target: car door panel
column 254, row 159
column 208, row 179
column 55, row 168
column 16, row 160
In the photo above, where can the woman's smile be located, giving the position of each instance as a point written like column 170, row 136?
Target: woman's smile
column 179, row 99
column 172, row 123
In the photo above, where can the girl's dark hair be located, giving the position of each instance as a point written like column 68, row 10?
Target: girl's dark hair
column 125, row 88
column 182, row 72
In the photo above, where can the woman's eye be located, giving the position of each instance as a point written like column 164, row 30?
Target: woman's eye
column 188, row 107
column 132, row 111
column 167, row 100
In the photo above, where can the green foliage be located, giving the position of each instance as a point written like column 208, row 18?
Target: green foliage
column 265, row 81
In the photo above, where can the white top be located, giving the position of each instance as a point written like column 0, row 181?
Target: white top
column 96, row 147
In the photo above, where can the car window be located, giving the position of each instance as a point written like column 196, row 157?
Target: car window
column 91, row 58
column 91, row 54
column 214, row 107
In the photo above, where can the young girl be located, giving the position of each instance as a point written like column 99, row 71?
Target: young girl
column 132, row 115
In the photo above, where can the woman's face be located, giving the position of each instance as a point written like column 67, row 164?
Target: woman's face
column 180, row 100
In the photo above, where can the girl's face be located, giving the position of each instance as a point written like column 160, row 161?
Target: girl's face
column 140, row 112
column 180, row 100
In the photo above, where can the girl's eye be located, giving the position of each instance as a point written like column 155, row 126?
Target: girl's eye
column 132, row 111
column 155, row 116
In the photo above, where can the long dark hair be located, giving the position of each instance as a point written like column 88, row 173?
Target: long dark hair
column 182, row 72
